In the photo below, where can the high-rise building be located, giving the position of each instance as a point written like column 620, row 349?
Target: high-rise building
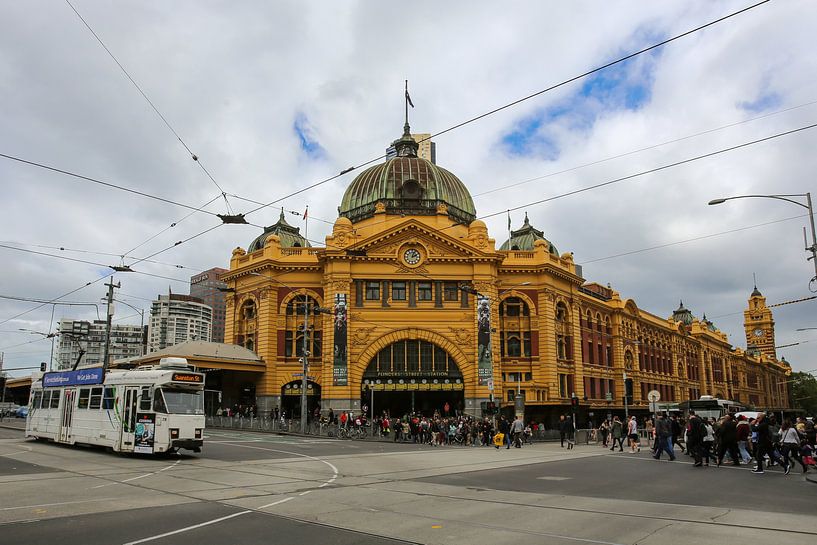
column 207, row 287
column 176, row 318
column 79, row 335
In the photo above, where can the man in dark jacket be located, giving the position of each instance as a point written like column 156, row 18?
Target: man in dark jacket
column 728, row 440
column 695, row 437
column 663, row 431
column 562, row 432
column 764, row 444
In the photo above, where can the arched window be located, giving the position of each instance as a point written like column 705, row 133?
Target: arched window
column 561, row 312
column 294, row 336
column 246, row 329
column 515, row 332
column 564, row 334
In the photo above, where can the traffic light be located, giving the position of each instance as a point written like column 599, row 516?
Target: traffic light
column 574, row 402
column 42, row 367
column 490, row 408
column 628, row 390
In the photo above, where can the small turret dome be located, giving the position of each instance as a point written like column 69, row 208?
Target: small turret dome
column 289, row 236
column 524, row 238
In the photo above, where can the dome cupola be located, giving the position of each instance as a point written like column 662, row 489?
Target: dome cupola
column 407, row 185
column 289, row 236
column 524, row 238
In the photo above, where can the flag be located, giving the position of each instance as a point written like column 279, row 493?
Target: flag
column 509, row 220
column 306, row 212
column 408, row 98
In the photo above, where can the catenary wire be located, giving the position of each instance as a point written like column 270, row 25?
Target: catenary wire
column 107, row 184
column 650, row 171
column 152, row 105
column 91, row 252
column 52, row 301
column 632, row 152
column 520, row 100
column 694, row 239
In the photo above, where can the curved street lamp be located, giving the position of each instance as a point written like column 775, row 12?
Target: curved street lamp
column 807, row 206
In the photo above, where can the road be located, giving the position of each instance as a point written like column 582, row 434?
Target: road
column 256, row 488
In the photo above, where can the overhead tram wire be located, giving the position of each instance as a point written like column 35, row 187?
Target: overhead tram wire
column 650, row 171
column 293, row 212
column 107, row 254
column 632, row 152
column 52, row 301
column 152, row 105
column 106, row 184
column 694, row 239
column 523, row 99
column 86, row 262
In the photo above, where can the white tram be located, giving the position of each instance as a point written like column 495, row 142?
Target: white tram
column 147, row 410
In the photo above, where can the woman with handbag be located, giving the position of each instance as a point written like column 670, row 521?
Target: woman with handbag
column 790, row 445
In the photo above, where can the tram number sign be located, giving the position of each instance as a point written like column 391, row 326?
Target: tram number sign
column 654, row 396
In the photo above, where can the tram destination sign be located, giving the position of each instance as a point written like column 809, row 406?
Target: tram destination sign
column 93, row 375
column 191, row 378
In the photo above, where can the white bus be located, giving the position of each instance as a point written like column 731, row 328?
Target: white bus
column 147, row 410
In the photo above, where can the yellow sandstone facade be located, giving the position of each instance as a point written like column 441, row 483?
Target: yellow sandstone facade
column 409, row 288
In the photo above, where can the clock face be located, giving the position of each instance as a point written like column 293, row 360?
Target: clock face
column 758, row 332
column 411, row 256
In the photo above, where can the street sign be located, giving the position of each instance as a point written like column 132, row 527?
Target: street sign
column 654, row 396
column 653, row 406
column 490, row 384
column 608, row 396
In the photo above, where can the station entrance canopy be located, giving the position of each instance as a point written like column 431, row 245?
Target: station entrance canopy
column 204, row 356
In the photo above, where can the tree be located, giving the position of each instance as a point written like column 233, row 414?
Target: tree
column 804, row 392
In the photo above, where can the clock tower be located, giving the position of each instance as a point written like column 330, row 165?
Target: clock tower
column 759, row 325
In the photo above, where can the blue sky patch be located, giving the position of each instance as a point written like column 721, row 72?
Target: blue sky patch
column 626, row 86
column 764, row 102
column 306, row 137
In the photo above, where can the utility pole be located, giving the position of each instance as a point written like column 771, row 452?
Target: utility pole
column 626, row 413
column 305, row 361
column 111, row 286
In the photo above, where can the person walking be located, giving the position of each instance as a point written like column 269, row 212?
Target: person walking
column 617, row 432
column 790, row 444
column 728, row 440
column 517, row 427
column 696, row 432
column 604, row 431
column 664, row 432
column 562, row 425
column 764, row 444
column 570, row 432
column 743, row 433
column 632, row 435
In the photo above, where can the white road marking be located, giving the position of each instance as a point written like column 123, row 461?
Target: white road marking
column 187, row 528
column 276, row 502
column 53, row 504
column 553, row 478
column 174, row 464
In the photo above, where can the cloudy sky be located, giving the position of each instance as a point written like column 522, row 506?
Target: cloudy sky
column 273, row 97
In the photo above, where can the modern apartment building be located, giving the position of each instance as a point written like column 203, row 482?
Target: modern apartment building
column 176, row 318
column 207, row 287
column 80, row 335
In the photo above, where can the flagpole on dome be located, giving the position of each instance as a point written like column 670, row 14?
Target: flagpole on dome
column 306, row 222
column 408, row 103
column 509, row 230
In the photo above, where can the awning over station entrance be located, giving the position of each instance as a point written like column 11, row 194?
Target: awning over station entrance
column 203, row 355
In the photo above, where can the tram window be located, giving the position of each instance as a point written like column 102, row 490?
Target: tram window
column 35, row 402
column 84, row 395
column 55, row 399
column 144, row 399
column 108, row 398
column 96, row 398
column 159, row 402
column 45, row 402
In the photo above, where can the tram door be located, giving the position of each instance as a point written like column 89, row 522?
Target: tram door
column 129, row 418
column 67, row 414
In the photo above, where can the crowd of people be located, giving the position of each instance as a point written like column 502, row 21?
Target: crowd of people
column 734, row 439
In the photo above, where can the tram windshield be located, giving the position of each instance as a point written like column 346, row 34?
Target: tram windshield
column 168, row 400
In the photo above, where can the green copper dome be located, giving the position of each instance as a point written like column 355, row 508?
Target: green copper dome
column 407, row 184
column 290, row 236
column 523, row 238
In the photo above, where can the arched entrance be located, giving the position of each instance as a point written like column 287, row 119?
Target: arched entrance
column 291, row 398
column 412, row 375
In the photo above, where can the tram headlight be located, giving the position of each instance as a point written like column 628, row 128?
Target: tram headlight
column 174, row 433
column 198, row 433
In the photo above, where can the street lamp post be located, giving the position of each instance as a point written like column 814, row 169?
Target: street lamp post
column 809, row 248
